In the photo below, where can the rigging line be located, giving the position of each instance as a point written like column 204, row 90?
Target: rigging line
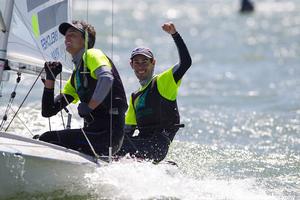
column 24, row 99
column 90, row 144
column 49, row 123
column 111, row 92
column 12, row 97
column 87, row 11
column 60, row 88
column 22, row 122
column 86, row 40
column 112, row 30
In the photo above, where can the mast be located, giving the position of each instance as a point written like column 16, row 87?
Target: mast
column 5, row 25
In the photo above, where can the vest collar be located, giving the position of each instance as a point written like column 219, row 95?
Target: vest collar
column 77, row 58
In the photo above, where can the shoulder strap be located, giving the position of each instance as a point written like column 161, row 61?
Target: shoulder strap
column 154, row 80
column 73, row 79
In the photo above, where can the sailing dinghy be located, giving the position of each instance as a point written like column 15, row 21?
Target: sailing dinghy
column 29, row 37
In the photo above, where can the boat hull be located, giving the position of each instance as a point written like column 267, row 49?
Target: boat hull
column 28, row 165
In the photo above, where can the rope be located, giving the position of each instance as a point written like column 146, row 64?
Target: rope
column 111, row 93
column 12, row 97
column 90, row 144
column 60, row 88
column 24, row 99
column 23, row 123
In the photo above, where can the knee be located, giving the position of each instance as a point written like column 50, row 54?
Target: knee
column 48, row 136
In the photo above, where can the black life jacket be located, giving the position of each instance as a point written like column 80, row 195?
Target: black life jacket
column 154, row 112
column 117, row 91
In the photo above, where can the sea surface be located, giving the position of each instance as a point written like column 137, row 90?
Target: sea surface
column 239, row 101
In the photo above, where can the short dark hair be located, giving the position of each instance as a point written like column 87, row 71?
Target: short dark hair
column 91, row 32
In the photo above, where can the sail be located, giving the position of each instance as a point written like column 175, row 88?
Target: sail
column 34, row 37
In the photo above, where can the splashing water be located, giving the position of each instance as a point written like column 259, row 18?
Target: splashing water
column 239, row 101
column 143, row 180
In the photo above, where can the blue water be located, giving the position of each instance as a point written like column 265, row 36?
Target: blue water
column 240, row 100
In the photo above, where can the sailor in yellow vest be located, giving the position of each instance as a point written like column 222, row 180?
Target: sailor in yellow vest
column 99, row 90
column 153, row 107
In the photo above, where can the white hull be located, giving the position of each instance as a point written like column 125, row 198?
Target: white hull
column 28, row 165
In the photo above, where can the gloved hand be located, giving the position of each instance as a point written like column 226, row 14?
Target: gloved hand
column 54, row 67
column 84, row 110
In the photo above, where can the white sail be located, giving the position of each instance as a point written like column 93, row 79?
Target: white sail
column 34, row 37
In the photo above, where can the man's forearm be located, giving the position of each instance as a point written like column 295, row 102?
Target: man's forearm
column 185, row 60
column 50, row 105
column 49, row 84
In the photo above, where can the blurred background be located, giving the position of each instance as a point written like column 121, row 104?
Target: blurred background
column 239, row 101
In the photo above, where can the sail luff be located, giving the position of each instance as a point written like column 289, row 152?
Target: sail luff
column 4, row 35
